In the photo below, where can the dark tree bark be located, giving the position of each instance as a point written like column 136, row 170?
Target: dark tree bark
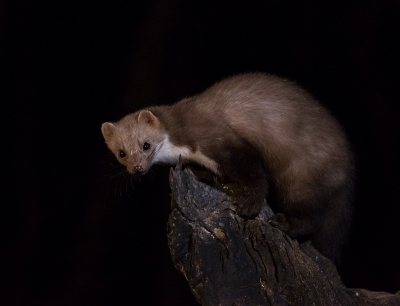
column 231, row 261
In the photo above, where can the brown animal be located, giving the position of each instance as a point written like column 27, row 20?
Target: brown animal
column 254, row 130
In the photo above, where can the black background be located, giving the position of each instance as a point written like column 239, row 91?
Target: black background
column 74, row 237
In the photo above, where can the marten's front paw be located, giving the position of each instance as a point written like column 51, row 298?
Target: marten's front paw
column 280, row 221
column 247, row 209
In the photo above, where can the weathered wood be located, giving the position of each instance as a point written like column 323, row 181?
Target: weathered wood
column 231, row 261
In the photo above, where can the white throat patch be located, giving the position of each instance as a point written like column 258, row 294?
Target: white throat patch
column 168, row 153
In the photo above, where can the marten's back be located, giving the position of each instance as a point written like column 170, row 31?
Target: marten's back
column 304, row 147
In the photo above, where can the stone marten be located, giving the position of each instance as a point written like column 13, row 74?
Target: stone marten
column 255, row 130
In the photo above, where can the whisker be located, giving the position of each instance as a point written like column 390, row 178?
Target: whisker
column 131, row 179
column 126, row 179
column 150, row 176
column 120, row 180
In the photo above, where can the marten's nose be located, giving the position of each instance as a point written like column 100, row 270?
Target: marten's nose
column 138, row 168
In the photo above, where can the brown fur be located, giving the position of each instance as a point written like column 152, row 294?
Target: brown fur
column 262, row 130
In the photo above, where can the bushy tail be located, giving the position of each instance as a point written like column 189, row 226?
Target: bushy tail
column 333, row 233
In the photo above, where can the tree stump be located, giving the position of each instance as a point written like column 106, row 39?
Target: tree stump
column 231, row 261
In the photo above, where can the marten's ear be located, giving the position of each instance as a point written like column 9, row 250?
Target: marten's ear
column 108, row 130
column 146, row 116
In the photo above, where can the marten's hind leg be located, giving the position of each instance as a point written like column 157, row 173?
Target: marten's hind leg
column 326, row 223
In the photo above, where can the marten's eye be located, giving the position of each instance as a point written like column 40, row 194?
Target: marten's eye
column 146, row 146
column 122, row 153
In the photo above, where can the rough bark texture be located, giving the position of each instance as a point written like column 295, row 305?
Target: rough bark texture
column 230, row 261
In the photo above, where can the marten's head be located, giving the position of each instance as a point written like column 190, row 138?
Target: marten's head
column 135, row 140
